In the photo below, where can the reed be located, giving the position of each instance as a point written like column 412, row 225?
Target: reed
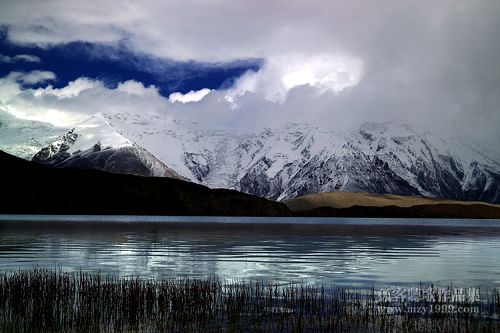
column 40, row 300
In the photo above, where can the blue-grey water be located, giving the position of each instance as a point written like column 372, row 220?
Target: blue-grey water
column 354, row 252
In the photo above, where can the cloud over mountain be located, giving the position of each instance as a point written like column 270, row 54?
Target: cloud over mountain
column 331, row 62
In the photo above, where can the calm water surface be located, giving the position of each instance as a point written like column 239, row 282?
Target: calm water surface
column 355, row 252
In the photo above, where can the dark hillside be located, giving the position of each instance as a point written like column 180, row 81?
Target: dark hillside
column 30, row 188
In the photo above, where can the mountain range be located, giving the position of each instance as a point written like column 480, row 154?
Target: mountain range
column 274, row 163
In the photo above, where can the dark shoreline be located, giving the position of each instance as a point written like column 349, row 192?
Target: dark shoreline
column 375, row 227
column 438, row 211
column 31, row 188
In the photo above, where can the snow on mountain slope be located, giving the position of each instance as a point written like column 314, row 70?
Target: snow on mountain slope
column 297, row 159
column 448, row 168
column 24, row 138
column 203, row 157
column 95, row 144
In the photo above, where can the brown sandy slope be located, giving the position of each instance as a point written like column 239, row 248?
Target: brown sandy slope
column 349, row 204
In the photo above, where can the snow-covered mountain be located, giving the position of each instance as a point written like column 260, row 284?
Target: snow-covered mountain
column 24, row 138
column 293, row 160
column 95, row 144
column 448, row 168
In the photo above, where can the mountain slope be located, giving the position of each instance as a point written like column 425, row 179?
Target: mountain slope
column 31, row 188
column 350, row 199
column 94, row 144
column 348, row 204
column 452, row 168
column 24, row 138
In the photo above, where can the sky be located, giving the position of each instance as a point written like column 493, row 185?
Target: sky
column 245, row 65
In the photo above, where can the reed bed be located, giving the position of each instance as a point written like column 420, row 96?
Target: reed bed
column 40, row 300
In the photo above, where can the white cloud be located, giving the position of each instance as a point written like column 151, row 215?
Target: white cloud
column 132, row 87
column 73, row 89
column 189, row 97
column 18, row 57
column 78, row 100
column 33, row 77
column 280, row 74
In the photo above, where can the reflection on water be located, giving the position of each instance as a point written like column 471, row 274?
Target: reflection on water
column 341, row 254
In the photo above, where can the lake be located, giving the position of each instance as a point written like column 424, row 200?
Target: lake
column 342, row 251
